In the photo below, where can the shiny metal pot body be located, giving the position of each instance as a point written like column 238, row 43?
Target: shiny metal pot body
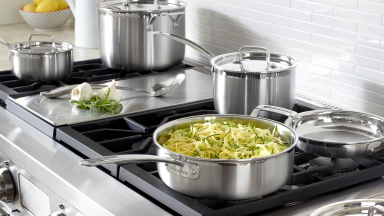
column 214, row 178
column 239, row 93
column 127, row 41
column 39, row 61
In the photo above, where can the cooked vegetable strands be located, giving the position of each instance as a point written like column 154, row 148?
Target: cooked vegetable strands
column 225, row 140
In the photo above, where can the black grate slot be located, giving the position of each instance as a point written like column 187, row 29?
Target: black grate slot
column 195, row 113
column 7, row 77
column 87, row 67
column 148, row 167
column 123, row 144
column 108, row 134
column 15, row 83
column 110, row 124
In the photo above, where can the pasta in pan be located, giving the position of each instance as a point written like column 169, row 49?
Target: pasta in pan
column 224, row 140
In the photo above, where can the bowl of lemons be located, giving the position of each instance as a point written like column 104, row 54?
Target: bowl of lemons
column 46, row 14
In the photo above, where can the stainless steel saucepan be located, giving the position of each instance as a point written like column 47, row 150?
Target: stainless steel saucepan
column 336, row 133
column 40, row 61
column 214, row 178
column 248, row 78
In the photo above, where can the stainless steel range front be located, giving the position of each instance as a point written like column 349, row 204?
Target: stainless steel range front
column 41, row 144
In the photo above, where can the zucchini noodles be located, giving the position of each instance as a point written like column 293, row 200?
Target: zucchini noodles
column 224, row 140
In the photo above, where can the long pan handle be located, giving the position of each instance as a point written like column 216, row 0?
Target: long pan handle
column 291, row 114
column 187, row 42
column 127, row 159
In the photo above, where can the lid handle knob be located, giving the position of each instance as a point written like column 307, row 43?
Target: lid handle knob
column 47, row 35
column 248, row 47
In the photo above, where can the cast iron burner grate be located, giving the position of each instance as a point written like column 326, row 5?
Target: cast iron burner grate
column 118, row 136
column 83, row 71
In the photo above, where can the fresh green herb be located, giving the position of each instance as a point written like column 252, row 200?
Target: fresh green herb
column 95, row 104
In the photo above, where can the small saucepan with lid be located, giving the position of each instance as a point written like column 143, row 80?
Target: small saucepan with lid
column 40, row 61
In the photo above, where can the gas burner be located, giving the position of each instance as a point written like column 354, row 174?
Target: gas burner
column 342, row 165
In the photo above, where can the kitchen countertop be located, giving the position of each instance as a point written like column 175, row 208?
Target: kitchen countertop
column 19, row 33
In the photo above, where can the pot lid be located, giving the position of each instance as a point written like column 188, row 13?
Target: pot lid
column 41, row 47
column 141, row 6
column 249, row 59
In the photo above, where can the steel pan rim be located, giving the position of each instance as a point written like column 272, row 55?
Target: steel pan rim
column 333, row 143
column 225, row 161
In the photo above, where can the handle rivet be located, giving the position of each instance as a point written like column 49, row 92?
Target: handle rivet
column 61, row 206
column 6, row 163
column 166, row 164
column 192, row 172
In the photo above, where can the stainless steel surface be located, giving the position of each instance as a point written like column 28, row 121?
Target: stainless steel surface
column 360, row 207
column 41, row 61
column 89, row 190
column 33, row 199
column 229, row 179
column 7, row 190
column 339, row 134
column 126, row 35
column 159, row 89
column 58, row 111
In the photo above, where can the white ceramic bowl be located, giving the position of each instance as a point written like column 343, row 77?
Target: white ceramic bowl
column 47, row 20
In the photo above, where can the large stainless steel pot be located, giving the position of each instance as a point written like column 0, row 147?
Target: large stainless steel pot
column 40, row 61
column 126, row 34
column 245, row 79
column 336, row 133
column 213, row 178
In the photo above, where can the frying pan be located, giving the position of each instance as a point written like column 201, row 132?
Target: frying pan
column 335, row 133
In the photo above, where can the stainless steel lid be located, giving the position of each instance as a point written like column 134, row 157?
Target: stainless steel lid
column 249, row 59
column 140, row 6
column 358, row 207
column 41, row 47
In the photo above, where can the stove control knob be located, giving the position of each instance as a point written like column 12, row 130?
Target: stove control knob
column 7, row 189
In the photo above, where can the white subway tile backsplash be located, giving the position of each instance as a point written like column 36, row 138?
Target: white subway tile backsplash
column 340, row 3
column 311, row 27
column 370, row 52
column 354, row 80
column 357, row 37
column 240, row 11
column 334, row 22
column 271, row 18
column 373, row 75
column 330, row 42
column 291, row 33
column 371, row 7
column 356, row 59
column 333, row 64
column 292, row 13
column 370, row 29
column 312, row 7
column 329, row 83
column 339, row 43
column 369, row 96
column 358, row 16
column 315, row 69
column 311, row 47
column 313, row 89
column 285, row 3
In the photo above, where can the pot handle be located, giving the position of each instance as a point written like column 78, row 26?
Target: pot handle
column 128, row 158
column 51, row 36
column 5, row 43
column 187, row 42
column 291, row 114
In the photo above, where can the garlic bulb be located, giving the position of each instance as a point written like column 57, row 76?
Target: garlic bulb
column 82, row 91
column 113, row 93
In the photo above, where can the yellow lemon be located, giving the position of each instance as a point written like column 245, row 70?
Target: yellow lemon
column 30, row 7
column 62, row 4
column 47, row 6
column 37, row 1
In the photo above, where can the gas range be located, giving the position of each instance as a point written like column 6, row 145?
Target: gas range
column 130, row 133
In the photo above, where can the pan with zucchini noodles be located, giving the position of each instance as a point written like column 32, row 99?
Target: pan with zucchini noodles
column 224, row 140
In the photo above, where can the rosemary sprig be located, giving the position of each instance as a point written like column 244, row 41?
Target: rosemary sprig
column 98, row 105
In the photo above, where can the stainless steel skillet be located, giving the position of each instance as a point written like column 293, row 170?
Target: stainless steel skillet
column 336, row 133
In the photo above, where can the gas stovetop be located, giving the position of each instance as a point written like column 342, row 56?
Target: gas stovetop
column 131, row 133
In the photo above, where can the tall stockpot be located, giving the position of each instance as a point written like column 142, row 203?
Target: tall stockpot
column 218, row 178
column 126, row 34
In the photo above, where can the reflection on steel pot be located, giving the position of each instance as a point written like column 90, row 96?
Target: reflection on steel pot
column 41, row 61
column 336, row 133
column 216, row 178
column 245, row 79
column 126, row 34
